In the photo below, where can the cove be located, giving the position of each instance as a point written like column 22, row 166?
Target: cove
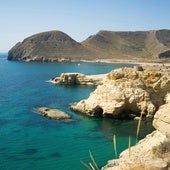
column 31, row 141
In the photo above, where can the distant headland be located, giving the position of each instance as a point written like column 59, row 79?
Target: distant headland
column 56, row 46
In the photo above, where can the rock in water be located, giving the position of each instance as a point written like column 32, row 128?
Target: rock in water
column 125, row 92
column 53, row 113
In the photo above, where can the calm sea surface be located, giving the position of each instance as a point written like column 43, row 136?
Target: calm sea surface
column 29, row 141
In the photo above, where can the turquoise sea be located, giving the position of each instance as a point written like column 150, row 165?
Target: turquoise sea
column 29, row 141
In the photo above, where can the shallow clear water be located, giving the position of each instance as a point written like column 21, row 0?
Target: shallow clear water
column 31, row 141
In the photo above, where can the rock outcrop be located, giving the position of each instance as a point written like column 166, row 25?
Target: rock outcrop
column 126, row 92
column 56, row 46
column 151, row 153
column 162, row 118
column 53, row 113
column 78, row 79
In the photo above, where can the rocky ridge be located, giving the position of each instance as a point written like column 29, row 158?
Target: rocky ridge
column 151, row 153
column 56, row 46
column 126, row 93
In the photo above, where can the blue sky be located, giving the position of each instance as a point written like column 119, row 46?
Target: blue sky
column 78, row 18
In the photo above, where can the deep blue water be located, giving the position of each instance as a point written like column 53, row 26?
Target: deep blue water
column 31, row 141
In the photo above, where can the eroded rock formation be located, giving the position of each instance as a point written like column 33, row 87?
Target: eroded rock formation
column 78, row 79
column 151, row 153
column 126, row 92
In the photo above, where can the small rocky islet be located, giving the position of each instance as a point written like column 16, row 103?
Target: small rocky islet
column 54, row 114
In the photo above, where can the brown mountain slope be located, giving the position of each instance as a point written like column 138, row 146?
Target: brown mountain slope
column 139, row 44
column 56, row 45
column 48, row 46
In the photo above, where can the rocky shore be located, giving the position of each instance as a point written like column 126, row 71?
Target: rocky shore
column 151, row 153
column 78, row 79
column 129, row 93
column 126, row 93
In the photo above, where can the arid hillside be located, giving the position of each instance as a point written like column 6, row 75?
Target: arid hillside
column 58, row 46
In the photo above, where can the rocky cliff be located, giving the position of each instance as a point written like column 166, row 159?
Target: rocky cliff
column 151, row 153
column 126, row 93
column 58, row 46
column 52, row 113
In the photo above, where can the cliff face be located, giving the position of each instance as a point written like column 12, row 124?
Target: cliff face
column 151, row 153
column 57, row 46
column 126, row 92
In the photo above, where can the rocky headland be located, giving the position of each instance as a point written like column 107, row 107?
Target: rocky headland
column 151, row 153
column 78, row 79
column 130, row 93
column 51, row 46
column 126, row 93
column 53, row 113
column 56, row 46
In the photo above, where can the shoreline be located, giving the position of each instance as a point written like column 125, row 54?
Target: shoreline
column 157, row 64
column 161, row 65
column 137, row 61
column 128, row 61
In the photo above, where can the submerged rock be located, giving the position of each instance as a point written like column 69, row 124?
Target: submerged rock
column 126, row 92
column 53, row 113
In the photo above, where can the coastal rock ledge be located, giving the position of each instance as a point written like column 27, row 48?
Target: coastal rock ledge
column 78, row 79
column 152, row 152
column 126, row 93
column 53, row 113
